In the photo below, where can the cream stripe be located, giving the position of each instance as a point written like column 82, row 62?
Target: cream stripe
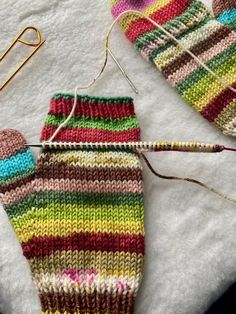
column 191, row 66
column 86, row 283
column 230, row 128
column 190, row 40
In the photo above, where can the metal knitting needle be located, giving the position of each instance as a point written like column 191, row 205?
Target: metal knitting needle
column 194, row 147
column 123, row 71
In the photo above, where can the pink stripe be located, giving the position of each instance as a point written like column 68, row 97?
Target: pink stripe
column 42, row 185
column 191, row 66
column 67, row 185
column 17, row 195
column 124, row 5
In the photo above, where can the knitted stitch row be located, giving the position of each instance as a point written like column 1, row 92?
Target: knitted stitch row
column 79, row 216
column 193, row 25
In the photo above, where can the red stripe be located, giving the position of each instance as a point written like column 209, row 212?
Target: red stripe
column 42, row 246
column 97, row 109
column 215, row 107
column 90, row 135
column 161, row 16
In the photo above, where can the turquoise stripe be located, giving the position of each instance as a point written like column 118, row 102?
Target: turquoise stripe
column 227, row 16
column 17, row 164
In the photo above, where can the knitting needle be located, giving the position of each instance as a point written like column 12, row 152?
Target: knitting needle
column 139, row 146
column 123, row 71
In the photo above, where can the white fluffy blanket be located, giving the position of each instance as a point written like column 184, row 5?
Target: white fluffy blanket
column 190, row 232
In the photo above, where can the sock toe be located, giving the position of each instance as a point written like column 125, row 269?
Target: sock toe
column 11, row 142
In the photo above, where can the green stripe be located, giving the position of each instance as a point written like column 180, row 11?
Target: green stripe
column 200, row 88
column 201, row 72
column 42, row 199
column 86, row 122
column 231, row 24
column 81, row 212
column 92, row 99
column 21, row 174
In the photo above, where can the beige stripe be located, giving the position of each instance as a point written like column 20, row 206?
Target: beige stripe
column 95, row 159
column 226, row 115
column 110, row 263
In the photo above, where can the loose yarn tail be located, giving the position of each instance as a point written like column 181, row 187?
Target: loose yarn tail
column 203, row 185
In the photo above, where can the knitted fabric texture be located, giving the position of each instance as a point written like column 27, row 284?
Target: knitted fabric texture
column 193, row 25
column 225, row 11
column 79, row 214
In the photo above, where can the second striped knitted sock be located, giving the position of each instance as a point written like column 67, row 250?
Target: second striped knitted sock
column 191, row 22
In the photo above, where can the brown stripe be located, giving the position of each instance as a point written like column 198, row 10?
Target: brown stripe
column 198, row 49
column 63, row 171
column 219, row 6
column 88, row 303
column 17, row 183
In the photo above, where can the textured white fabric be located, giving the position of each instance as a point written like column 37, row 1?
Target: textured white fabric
column 190, row 233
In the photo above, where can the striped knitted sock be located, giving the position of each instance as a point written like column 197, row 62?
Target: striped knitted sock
column 225, row 11
column 80, row 221
column 192, row 24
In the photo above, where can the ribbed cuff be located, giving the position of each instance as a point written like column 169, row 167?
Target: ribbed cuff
column 96, row 119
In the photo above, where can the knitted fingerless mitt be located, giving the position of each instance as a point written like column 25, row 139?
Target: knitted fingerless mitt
column 192, row 24
column 80, row 218
column 225, row 11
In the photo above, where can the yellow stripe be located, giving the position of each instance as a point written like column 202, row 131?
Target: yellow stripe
column 214, row 89
column 111, row 263
column 157, row 5
column 64, row 228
